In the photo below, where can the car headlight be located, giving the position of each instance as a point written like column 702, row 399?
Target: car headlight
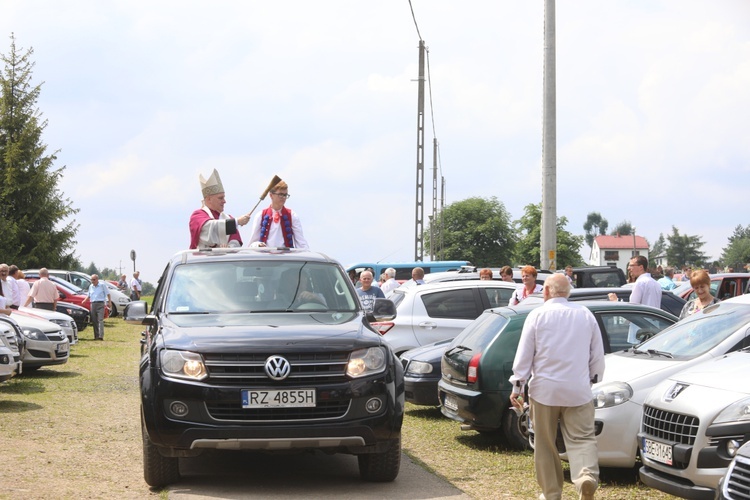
column 737, row 411
column 183, row 364
column 419, row 368
column 611, row 394
column 64, row 323
column 33, row 333
column 366, row 362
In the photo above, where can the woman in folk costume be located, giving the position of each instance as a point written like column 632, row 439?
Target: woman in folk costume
column 209, row 226
column 278, row 226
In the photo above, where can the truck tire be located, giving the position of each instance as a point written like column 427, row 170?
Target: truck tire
column 381, row 467
column 158, row 470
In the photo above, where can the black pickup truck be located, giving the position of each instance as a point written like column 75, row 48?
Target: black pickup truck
column 598, row 276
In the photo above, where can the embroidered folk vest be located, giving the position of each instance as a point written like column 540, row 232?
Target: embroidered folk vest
column 286, row 225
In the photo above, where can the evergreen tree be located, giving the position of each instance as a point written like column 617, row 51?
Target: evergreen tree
column 659, row 249
column 32, row 209
column 475, row 229
column 737, row 253
column 685, row 250
column 529, row 226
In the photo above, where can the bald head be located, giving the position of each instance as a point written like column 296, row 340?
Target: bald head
column 556, row 285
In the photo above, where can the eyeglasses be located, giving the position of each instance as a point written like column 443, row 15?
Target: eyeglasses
column 282, row 195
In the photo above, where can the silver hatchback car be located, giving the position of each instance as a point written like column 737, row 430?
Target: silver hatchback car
column 46, row 343
column 432, row 312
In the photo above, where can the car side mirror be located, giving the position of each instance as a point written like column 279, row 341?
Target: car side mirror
column 135, row 312
column 382, row 310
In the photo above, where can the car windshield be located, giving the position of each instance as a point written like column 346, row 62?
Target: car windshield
column 480, row 332
column 698, row 334
column 67, row 285
column 263, row 286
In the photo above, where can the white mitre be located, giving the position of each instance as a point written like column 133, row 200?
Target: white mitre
column 211, row 186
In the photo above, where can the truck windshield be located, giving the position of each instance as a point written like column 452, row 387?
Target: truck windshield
column 259, row 286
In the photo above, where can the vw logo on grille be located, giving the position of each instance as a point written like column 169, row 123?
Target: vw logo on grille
column 277, row 367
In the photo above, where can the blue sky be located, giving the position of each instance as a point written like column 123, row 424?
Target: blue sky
column 142, row 97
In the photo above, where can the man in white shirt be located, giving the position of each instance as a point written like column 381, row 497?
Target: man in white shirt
column 390, row 284
column 560, row 353
column 10, row 287
column 646, row 291
column 135, row 287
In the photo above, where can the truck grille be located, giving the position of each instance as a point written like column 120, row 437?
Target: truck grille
column 223, row 410
column 737, row 482
column 667, row 426
column 247, row 370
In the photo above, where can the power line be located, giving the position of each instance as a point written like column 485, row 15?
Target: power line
column 415, row 19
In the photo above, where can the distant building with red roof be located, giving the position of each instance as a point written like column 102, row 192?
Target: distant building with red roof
column 617, row 250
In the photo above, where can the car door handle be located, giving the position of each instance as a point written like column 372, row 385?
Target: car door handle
column 427, row 325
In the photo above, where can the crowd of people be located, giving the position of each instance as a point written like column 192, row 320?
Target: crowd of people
column 17, row 292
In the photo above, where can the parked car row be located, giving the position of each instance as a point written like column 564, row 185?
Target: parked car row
column 31, row 338
column 678, row 402
column 32, row 341
column 72, row 286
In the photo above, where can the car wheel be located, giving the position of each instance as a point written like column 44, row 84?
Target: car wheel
column 158, row 470
column 113, row 311
column 516, row 429
column 381, row 467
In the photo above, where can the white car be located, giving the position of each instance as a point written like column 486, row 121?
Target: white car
column 119, row 299
column 46, row 344
column 629, row 376
column 10, row 359
column 438, row 311
column 67, row 323
column 693, row 425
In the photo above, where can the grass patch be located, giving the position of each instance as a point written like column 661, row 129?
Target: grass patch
column 483, row 466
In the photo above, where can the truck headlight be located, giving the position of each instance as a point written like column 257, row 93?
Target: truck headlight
column 366, row 362
column 611, row 394
column 183, row 364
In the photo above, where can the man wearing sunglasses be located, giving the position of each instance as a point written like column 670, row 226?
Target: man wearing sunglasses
column 278, row 226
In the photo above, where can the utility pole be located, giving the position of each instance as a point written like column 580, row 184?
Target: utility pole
column 419, row 225
column 442, row 207
column 434, row 218
column 549, row 145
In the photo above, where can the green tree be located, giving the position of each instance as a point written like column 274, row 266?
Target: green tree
column 594, row 226
column 659, row 249
column 475, row 229
column 624, row 228
column 685, row 250
column 32, row 209
column 737, row 253
column 529, row 227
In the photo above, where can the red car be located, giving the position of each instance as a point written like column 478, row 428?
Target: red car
column 69, row 293
column 723, row 286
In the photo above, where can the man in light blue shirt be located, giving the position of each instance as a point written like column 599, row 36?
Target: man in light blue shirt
column 666, row 281
column 98, row 294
